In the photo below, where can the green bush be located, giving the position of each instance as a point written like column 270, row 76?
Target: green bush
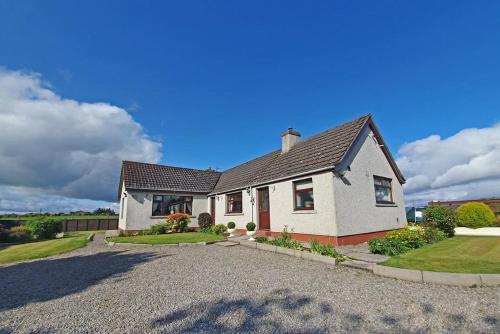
column 20, row 233
column 441, row 218
column 231, row 225
column 145, row 232
column 411, row 238
column 177, row 222
column 432, row 235
column 263, row 240
column 207, row 229
column 158, row 229
column 45, row 228
column 285, row 240
column 387, row 246
column 205, row 220
column 251, row 226
column 4, row 233
column 326, row 250
column 475, row 215
column 219, row 229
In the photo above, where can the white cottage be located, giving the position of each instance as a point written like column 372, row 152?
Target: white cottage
column 340, row 186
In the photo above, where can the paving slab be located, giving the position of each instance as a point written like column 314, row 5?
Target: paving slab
column 451, row 278
column 226, row 243
column 490, row 279
column 404, row 274
column 372, row 258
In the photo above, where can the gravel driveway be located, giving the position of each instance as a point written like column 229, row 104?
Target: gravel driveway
column 234, row 289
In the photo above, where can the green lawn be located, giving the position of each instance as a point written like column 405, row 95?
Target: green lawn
column 63, row 217
column 174, row 238
column 456, row 255
column 40, row 249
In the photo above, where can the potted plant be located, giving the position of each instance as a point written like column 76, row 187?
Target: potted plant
column 231, row 227
column 251, row 230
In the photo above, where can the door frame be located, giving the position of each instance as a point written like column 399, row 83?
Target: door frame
column 259, row 192
column 212, row 208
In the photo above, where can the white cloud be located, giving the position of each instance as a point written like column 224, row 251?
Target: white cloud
column 61, row 147
column 463, row 166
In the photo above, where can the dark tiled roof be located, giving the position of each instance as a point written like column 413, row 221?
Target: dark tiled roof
column 139, row 175
column 320, row 151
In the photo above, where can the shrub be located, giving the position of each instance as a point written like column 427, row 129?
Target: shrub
column 45, row 228
column 411, row 238
column 263, row 240
column 205, row 220
column 432, row 235
column 251, row 226
column 158, row 229
column 285, row 240
column 326, row 250
column 207, row 230
column 4, row 234
column 231, row 225
column 219, row 229
column 20, row 233
column 145, row 232
column 387, row 246
column 475, row 215
column 177, row 222
column 441, row 218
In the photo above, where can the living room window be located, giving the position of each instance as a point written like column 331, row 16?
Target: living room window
column 234, row 203
column 383, row 190
column 163, row 205
column 303, row 195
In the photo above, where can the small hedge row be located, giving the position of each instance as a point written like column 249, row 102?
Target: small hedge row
column 285, row 240
column 39, row 229
column 405, row 239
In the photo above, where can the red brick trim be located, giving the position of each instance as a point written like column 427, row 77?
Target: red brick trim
column 325, row 239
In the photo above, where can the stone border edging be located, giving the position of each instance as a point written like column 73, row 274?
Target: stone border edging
column 458, row 279
column 290, row 252
column 201, row 243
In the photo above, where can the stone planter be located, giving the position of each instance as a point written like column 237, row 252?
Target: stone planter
column 251, row 234
column 231, row 231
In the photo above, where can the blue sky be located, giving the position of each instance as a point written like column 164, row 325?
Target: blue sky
column 216, row 82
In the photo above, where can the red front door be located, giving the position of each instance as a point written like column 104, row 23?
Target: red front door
column 263, row 200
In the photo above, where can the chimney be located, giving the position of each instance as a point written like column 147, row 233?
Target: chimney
column 289, row 138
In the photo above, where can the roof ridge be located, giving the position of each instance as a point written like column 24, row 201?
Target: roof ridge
column 168, row 166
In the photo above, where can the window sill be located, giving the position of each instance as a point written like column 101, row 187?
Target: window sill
column 234, row 214
column 386, row 204
column 300, row 212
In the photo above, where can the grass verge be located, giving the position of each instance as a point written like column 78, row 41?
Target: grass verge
column 174, row 238
column 455, row 255
column 40, row 249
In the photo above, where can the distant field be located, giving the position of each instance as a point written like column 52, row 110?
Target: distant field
column 62, row 217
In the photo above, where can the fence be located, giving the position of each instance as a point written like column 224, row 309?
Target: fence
column 80, row 224
column 493, row 203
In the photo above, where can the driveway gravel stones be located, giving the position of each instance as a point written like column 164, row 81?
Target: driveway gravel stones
column 100, row 289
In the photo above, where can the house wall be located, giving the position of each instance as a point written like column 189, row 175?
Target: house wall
column 139, row 207
column 355, row 206
column 319, row 221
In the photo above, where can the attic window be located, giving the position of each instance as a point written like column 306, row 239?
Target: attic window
column 383, row 190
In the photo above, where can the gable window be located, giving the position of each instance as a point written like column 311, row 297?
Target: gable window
column 163, row 205
column 303, row 195
column 383, row 190
column 234, row 203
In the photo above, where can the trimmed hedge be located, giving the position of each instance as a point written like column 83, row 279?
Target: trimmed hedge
column 475, row 215
column 205, row 220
